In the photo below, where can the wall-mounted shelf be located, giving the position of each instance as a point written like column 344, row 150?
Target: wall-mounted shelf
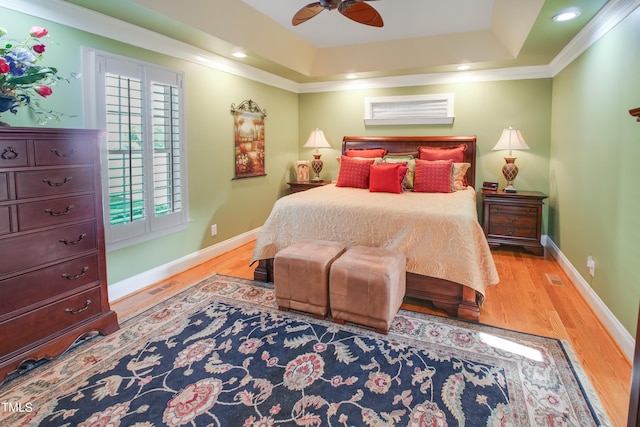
column 635, row 112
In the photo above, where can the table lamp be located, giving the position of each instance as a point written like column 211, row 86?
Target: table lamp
column 317, row 140
column 511, row 139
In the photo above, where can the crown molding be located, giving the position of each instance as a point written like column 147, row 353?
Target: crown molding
column 611, row 15
column 87, row 20
column 515, row 73
column 92, row 22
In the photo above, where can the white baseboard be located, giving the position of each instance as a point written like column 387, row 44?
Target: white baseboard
column 139, row 281
column 618, row 332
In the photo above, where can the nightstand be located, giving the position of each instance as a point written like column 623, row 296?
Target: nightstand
column 297, row 186
column 514, row 219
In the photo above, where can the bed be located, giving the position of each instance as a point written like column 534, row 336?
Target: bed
column 448, row 259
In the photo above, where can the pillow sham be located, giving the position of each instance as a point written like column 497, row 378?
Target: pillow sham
column 387, row 178
column 433, row 176
column 354, row 172
column 459, row 176
column 456, row 153
column 366, row 152
column 409, row 161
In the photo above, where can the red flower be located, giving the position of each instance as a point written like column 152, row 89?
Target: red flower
column 43, row 90
column 4, row 66
column 38, row 32
column 38, row 48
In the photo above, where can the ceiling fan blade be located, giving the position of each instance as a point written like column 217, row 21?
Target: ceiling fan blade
column 306, row 13
column 361, row 12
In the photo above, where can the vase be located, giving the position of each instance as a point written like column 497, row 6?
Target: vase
column 7, row 104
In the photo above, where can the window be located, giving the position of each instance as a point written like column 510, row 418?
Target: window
column 411, row 109
column 143, row 165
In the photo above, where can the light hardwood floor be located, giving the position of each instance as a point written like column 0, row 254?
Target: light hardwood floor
column 526, row 300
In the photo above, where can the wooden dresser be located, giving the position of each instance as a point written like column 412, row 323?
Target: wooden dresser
column 53, row 287
column 514, row 219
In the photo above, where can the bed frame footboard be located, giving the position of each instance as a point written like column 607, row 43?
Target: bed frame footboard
column 453, row 298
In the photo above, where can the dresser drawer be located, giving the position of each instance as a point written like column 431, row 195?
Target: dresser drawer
column 46, row 246
column 34, row 326
column 5, row 220
column 53, row 151
column 13, row 153
column 55, row 211
column 4, row 187
column 51, row 182
column 47, row 283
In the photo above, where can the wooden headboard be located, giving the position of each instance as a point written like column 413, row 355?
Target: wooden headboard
column 410, row 144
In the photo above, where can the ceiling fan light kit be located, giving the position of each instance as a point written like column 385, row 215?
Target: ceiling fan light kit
column 356, row 10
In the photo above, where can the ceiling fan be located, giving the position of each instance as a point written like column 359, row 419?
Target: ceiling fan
column 356, row 10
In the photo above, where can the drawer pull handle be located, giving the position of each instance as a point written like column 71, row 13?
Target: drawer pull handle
column 56, row 184
column 61, row 154
column 80, row 310
column 76, row 276
column 9, row 153
column 73, row 242
column 60, row 213
column 516, row 219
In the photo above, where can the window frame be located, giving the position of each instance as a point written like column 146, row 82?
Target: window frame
column 94, row 100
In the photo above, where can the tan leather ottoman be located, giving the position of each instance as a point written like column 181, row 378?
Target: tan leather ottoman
column 367, row 286
column 301, row 276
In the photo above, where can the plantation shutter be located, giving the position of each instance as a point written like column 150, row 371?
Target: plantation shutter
column 124, row 95
column 167, row 148
column 144, row 149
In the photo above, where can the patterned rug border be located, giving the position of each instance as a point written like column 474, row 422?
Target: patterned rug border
column 562, row 346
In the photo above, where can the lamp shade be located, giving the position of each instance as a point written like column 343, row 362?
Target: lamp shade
column 511, row 139
column 317, row 140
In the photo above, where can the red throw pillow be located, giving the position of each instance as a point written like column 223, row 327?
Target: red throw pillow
column 366, row 152
column 354, row 172
column 387, row 177
column 432, row 176
column 456, row 154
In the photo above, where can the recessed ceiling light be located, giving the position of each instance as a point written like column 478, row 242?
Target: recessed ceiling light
column 567, row 14
column 239, row 54
column 463, row 67
column 351, row 76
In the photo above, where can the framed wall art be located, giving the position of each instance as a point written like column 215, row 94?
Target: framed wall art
column 248, row 123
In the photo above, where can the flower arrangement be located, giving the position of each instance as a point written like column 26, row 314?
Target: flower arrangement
column 23, row 82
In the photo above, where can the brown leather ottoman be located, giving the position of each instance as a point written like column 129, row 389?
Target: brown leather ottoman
column 301, row 276
column 367, row 286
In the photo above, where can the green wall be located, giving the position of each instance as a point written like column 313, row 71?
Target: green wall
column 595, row 147
column 236, row 206
column 481, row 109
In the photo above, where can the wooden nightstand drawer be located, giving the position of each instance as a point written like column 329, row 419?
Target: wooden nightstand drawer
column 297, row 186
column 514, row 219
column 513, row 230
column 514, row 210
column 504, row 219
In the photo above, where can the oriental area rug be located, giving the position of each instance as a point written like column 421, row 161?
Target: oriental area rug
column 221, row 354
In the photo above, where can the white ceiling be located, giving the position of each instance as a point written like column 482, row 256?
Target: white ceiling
column 403, row 19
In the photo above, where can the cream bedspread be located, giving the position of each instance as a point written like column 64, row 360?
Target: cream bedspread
column 439, row 233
